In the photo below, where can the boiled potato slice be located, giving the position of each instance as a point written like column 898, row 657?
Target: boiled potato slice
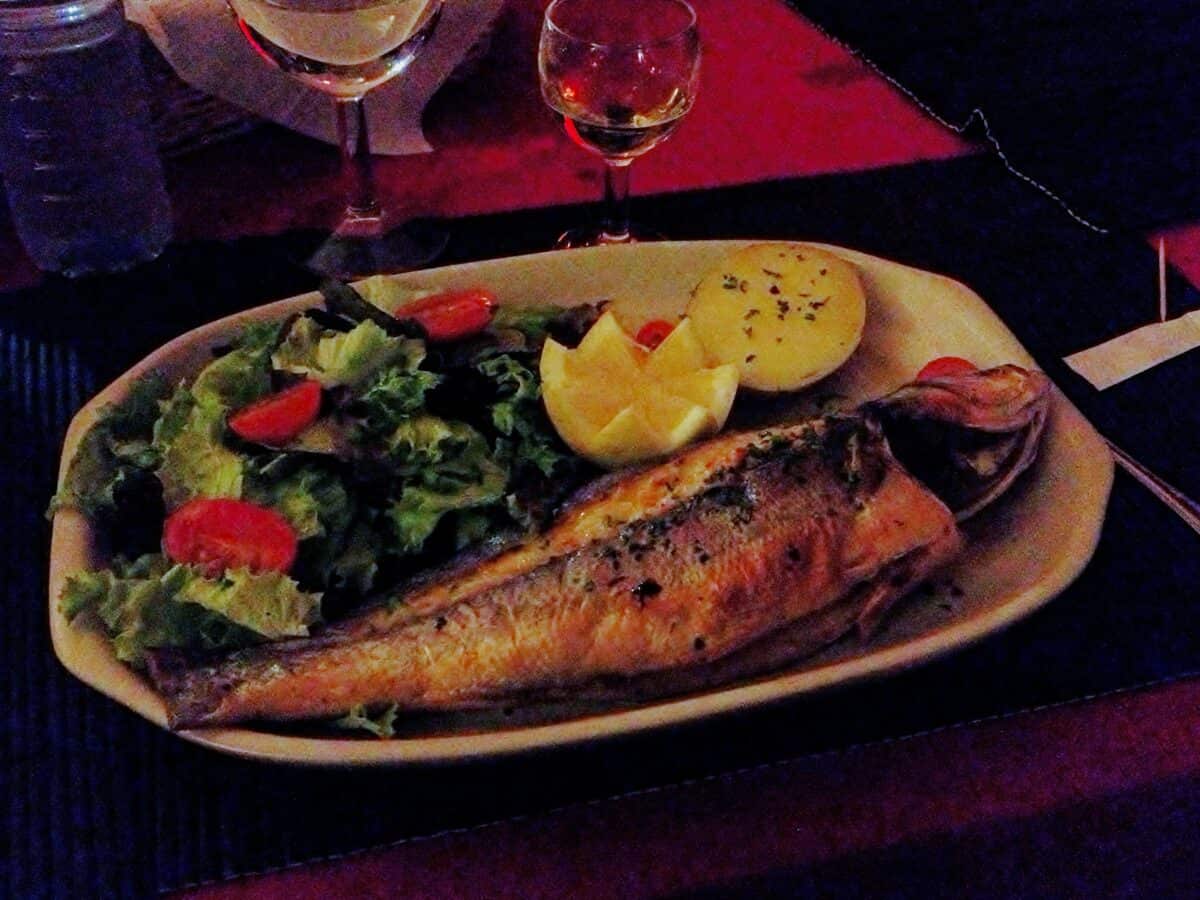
column 785, row 314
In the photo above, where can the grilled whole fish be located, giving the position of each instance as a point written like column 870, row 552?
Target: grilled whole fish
column 737, row 556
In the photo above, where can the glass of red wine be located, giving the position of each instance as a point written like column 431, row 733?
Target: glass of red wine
column 622, row 74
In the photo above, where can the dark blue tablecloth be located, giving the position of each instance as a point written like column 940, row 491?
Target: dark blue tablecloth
column 1095, row 99
column 98, row 802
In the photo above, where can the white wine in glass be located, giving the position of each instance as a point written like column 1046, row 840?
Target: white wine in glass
column 345, row 48
column 623, row 74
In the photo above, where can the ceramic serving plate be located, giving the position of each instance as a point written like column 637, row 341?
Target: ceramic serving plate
column 1021, row 553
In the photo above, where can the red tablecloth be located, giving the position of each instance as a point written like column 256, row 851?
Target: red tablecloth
column 776, row 99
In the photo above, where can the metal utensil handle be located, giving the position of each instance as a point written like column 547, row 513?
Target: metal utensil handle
column 1180, row 503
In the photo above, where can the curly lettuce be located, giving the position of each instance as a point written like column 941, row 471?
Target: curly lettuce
column 381, row 723
column 341, row 358
column 392, row 396
column 312, row 498
column 193, row 458
column 387, row 294
column 517, row 414
column 116, row 451
column 447, row 467
column 151, row 603
column 242, row 375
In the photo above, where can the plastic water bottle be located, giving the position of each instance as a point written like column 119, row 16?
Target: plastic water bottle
column 84, row 183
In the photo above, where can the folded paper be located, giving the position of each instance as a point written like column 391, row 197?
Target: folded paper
column 1130, row 354
column 200, row 40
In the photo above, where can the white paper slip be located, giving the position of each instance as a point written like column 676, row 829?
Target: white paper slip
column 200, row 40
column 1123, row 357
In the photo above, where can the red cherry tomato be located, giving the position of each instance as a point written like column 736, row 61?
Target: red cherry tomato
column 218, row 533
column 451, row 315
column 654, row 333
column 278, row 418
column 946, row 365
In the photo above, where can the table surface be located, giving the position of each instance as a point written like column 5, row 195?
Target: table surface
column 991, row 807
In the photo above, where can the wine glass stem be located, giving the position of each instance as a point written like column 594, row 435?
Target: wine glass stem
column 615, row 227
column 355, row 144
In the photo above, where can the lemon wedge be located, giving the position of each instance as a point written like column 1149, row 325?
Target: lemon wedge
column 616, row 403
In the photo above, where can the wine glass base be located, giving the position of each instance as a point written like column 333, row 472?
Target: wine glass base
column 596, row 236
column 355, row 252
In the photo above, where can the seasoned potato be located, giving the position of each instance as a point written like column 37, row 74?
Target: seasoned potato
column 785, row 314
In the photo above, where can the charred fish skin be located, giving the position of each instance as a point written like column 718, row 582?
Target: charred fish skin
column 1002, row 401
column 597, row 513
column 807, row 518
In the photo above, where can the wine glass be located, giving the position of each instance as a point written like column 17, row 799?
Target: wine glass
column 345, row 48
column 623, row 74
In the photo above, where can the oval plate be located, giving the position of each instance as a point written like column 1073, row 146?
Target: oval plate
column 1020, row 554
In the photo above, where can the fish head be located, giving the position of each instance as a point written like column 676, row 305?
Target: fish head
column 967, row 436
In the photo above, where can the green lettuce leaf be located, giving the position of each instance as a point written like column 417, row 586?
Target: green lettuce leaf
column 418, row 509
column 242, row 375
column 532, row 321
column 194, row 460
column 382, row 724
column 115, row 451
column 355, row 568
column 312, row 498
column 517, row 386
column 337, row 358
column 268, row 603
column 518, row 415
column 391, row 396
column 384, row 292
column 424, row 441
column 152, row 603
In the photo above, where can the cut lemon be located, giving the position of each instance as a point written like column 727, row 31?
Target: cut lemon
column 615, row 403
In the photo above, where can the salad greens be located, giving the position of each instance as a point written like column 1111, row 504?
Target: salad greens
column 418, row 451
column 151, row 603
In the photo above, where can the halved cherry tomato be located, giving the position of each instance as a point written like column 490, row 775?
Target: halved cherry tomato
column 451, row 315
column 218, row 533
column 654, row 333
column 946, row 365
column 278, row 418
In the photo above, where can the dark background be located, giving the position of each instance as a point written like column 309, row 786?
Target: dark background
column 1095, row 99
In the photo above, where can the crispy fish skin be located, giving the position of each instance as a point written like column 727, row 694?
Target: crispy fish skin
column 598, row 514
column 802, row 522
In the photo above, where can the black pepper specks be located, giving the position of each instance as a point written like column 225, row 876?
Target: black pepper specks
column 699, row 644
column 646, row 589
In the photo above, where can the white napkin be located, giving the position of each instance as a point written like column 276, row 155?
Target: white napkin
column 202, row 43
column 1125, row 356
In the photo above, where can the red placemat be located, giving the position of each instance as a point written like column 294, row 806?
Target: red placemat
column 777, row 98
